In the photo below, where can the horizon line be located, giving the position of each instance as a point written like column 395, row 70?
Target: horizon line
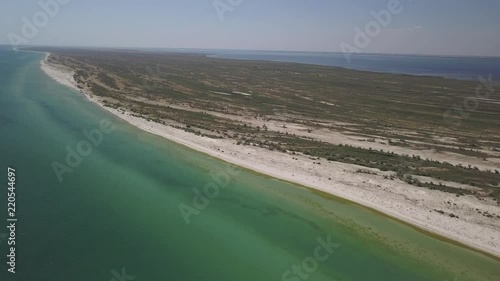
column 254, row 50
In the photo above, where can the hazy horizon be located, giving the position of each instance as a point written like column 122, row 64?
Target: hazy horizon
column 132, row 48
column 446, row 28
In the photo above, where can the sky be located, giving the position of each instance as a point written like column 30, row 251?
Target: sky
column 439, row 27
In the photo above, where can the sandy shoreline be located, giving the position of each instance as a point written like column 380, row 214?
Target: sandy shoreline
column 414, row 205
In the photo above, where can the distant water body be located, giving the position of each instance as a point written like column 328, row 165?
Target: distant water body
column 465, row 68
column 117, row 213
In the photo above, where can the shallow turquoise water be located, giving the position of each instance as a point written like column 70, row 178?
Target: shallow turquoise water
column 119, row 209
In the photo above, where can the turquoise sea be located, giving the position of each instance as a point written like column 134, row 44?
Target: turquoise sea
column 116, row 215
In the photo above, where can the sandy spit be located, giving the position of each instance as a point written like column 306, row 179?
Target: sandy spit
column 411, row 204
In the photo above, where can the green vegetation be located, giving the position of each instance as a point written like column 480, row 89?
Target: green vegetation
column 240, row 100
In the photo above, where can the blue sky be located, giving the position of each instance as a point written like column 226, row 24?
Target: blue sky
column 451, row 27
